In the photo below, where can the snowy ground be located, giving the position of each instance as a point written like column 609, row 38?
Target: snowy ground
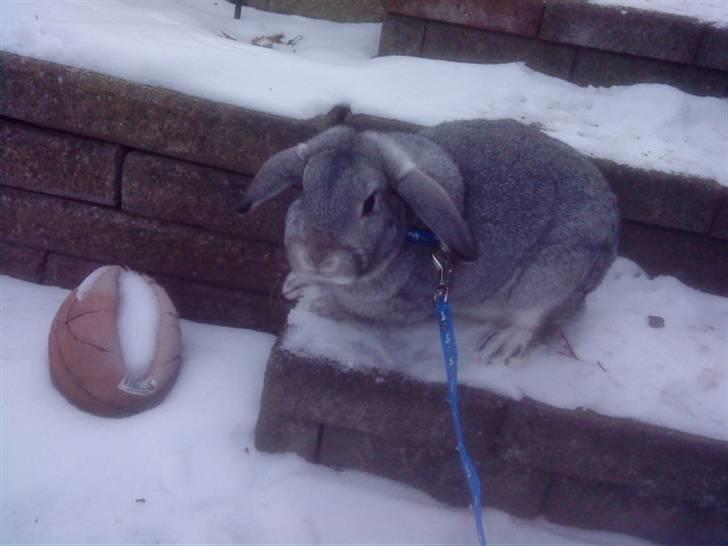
column 196, row 47
column 186, row 472
column 674, row 376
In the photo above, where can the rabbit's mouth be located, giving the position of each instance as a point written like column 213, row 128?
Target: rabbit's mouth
column 327, row 266
column 313, row 277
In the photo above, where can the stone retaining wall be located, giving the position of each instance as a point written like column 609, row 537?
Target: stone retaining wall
column 343, row 11
column 97, row 170
column 574, row 40
column 573, row 467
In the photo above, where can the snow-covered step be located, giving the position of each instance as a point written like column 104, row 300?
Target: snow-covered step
column 326, row 399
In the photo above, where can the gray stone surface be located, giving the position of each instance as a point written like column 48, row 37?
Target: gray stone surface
column 697, row 260
column 719, row 226
column 52, row 162
column 585, row 43
column 365, row 122
column 604, row 68
column 650, row 460
column 21, row 262
column 402, row 35
column 592, row 505
column 67, row 271
column 662, row 199
column 144, row 117
column 459, row 43
column 435, row 470
column 276, row 434
column 521, row 17
column 187, row 193
column 194, row 301
column 713, row 50
column 151, row 246
column 377, row 402
column 422, row 466
column 344, row 11
column 622, row 29
column 576, row 468
column 225, row 307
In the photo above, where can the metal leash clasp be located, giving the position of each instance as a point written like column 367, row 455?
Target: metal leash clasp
column 443, row 263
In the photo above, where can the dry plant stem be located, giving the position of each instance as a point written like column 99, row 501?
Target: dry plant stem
column 572, row 354
column 569, row 348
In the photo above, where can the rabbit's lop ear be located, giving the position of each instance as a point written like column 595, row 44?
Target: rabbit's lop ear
column 285, row 169
column 427, row 198
column 280, row 172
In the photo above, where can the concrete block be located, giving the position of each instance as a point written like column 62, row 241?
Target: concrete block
column 147, row 118
column 21, row 262
column 604, row 69
column 698, row 260
column 669, row 200
column 647, row 459
column 623, row 30
column 402, row 35
column 57, row 163
column 459, row 43
column 113, row 237
column 187, row 193
column 512, row 16
column 378, row 402
column 194, row 301
column 713, row 50
column 665, row 520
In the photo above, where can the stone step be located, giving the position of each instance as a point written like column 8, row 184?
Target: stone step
column 113, row 164
column 575, row 40
column 573, row 467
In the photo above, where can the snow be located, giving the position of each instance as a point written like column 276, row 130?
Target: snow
column 138, row 323
column 709, row 11
column 675, row 376
column 195, row 47
column 186, row 472
column 89, row 281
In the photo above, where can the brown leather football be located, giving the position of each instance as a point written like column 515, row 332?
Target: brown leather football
column 88, row 363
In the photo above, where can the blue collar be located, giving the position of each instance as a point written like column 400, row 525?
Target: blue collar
column 420, row 236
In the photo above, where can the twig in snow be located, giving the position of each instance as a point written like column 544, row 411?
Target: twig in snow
column 572, row 354
column 268, row 41
column 569, row 348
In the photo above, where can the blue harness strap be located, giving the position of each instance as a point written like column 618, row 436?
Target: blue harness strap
column 450, row 352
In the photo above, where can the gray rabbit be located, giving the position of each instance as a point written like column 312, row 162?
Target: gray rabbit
column 532, row 225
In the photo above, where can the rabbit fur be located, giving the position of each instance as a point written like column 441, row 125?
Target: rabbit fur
column 531, row 223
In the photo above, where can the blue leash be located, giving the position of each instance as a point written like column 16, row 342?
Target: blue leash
column 443, row 311
column 450, row 352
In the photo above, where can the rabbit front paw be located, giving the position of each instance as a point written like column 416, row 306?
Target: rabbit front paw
column 324, row 307
column 295, row 286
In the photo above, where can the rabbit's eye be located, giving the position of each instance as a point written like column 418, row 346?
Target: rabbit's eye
column 368, row 205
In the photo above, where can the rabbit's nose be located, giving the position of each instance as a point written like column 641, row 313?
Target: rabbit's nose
column 313, row 258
